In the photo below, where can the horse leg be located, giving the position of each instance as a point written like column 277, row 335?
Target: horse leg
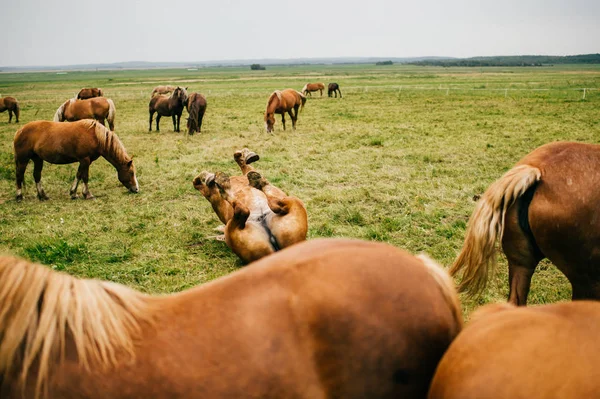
column 38, row 164
column 200, row 116
column 293, row 119
column 73, row 190
column 9, row 115
column 157, row 122
column 83, row 171
column 340, row 93
column 20, row 167
column 283, row 120
column 174, row 123
column 178, row 120
column 150, row 125
column 321, row 91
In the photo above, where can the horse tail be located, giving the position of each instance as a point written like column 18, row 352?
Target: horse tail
column 194, row 110
column 58, row 116
column 486, row 226
column 111, row 113
column 446, row 284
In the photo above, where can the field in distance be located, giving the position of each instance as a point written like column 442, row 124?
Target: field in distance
column 398, row 159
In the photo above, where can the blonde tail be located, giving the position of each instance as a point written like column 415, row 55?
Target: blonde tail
column 486, row 226
column 111, row 114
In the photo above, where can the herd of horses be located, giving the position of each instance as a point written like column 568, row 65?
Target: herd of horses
column 328, row 318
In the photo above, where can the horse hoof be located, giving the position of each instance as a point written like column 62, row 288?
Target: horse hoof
column 256, row 180
column 90, row 197
column 74, row 196
column 251, row 157
column 19, row 198
column 43, row 197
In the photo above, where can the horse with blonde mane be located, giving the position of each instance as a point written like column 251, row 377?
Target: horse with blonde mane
column 11, row 105
column 90, row 92
column 162, row 90
column 544, row 207
column 327, row 318
column 168, row 106
column 310, row 87
column 62, row 143
column 98, row 108
column 280, row 102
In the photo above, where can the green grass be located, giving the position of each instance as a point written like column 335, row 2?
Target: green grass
column 398, row 159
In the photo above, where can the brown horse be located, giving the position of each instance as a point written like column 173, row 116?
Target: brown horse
column 545, row 207
column 11, row 105
column 281, row 102
column 98, row 108
column 196, row 106
column 61, row 143
column 540, row 352
column 260, row 218
column 310, row 87
column 323, row 319
column 168, row 106
column 333, row 88
column 91, row 92
column 162, row 90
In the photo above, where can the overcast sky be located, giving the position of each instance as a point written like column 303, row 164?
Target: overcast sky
column 51, row 32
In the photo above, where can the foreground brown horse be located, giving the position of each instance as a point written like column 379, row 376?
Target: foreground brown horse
column 310, row 87
column 61, row 143
column 333, row 88
column 540, row 352
column 196, row 106
column 544, row 207
column 168, row 106
column 11, row 105
column 260, row 219
column 323, row 319
column 280, row 102
column 98, row 108
column 91, row 92
column 162, row 90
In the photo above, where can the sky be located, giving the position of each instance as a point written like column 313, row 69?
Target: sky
column 67, row 32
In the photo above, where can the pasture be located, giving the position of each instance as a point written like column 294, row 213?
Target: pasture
column 398, row 159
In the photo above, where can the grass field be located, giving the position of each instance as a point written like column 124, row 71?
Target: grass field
column 398, row 159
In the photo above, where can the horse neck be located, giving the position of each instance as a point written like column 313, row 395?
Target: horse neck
column 273, row 103
column 111, row 147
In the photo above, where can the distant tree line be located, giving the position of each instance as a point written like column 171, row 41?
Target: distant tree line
column 384, row 63
column 520, row 60
column 257, row 67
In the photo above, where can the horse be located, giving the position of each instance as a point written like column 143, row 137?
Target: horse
column 168, row 106
column 333, row 88
column 259, row 218
column 98, row 108
column 91, row 92
column 162, row 90
column 280, row 102
column 327, row 318
column 196, row 106
column 310, row 87
column 544, row 207
column 11, row 105
column 548, row 351
column 62, row 143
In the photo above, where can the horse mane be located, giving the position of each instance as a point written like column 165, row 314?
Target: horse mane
column 113, row 147
column 277, row 94
column 41, row 309
column 305, row 88
column 58, row 116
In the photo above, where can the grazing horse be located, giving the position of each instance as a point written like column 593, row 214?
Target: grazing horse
column 168, row 106
column 162, row 90
column 61, row 143
column 333, row 88
column 328, row 318
column 542, row 352
column 310, row 87
column 91, row 92
column 98, row 108
column 11, row 105
column 544, row 207
column 260, row 218
column 280, row 102
column 196, row 106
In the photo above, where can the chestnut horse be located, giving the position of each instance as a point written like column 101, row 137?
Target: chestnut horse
column 280, row 102
column 323, row 319
column 162, row 90
column 310, row 87
column 98, row 108
column 91, row 92
column 168, row 106
column 11, row 105
column 62, row 143
column 544, row 207
column 196, row 106
column 333, row 88
column 542, row 352
column 260, row 218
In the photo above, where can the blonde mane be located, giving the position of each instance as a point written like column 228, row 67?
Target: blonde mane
column 41, row 309
column 113, row 148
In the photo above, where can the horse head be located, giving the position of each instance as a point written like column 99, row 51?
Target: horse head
column 127, row 176
column 269, row 121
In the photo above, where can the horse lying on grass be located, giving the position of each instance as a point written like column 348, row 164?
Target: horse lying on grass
column 543, row 352
column 98, row 108
column 67, row 142
column 259, row 218
column 322, row 319
column 544, row 207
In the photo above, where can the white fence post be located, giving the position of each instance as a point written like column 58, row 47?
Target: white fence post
column 583, row 94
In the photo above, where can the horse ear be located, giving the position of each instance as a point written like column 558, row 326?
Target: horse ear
column 130, row 163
